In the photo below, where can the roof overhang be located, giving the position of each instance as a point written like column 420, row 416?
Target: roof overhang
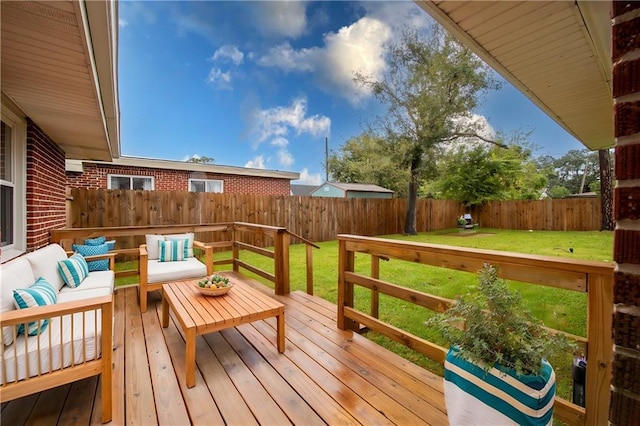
column 59, row 66
column 153, row 163
column 557, row 53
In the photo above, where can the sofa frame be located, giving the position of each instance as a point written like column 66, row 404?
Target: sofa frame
column 101, row 364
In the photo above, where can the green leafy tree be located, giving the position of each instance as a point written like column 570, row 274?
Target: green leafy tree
column 575, row 170
column 370, row 159
column 201, row 159
column 475, row 174
column 430, row 87
column 558, row 192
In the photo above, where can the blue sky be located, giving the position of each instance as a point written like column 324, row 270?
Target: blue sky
column 261, row 84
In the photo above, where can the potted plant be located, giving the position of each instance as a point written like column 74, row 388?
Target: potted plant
column 496, row 370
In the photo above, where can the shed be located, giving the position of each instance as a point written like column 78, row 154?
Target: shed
column 351, row 190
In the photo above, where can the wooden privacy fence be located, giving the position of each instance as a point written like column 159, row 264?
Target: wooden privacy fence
column 317, row 218
column 573, row 214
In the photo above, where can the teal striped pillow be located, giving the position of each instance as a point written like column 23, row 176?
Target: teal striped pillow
column 171, row 250
column 39, row 294
column 73, row 270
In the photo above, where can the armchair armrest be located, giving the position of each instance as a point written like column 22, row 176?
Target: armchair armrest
column 208, row 255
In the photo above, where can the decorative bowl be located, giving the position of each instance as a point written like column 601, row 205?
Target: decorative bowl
column 214, row 285
column 215, row 291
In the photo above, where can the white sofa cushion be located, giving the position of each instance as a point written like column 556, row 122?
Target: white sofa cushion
column 44, row 263
column 51, row 355
column 171, row 271
column 153, row 252
column 15, row 274
column 98, row 283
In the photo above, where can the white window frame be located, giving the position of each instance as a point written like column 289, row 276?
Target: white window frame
column 18, row 180
column 221, row 182
column 131, row 177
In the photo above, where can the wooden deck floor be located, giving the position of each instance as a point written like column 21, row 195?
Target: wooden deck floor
column 325, row 376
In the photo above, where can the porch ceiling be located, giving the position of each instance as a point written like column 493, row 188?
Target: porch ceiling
column 558, row 53
column 59, row 66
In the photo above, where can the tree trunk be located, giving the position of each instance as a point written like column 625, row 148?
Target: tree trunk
column 606, row 191
column 412, row 202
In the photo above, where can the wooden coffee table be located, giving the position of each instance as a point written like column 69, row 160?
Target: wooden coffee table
column 199, row 314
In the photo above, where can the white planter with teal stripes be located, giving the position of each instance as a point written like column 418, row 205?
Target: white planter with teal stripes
column 477, row 397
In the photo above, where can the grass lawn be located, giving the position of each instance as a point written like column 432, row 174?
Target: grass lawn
column 561, row 309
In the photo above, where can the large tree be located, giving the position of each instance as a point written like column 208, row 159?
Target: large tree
column 430, row 88
column 606, row 190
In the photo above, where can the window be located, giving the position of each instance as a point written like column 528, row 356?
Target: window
column 7, row 183
column 130, row 182
column 205, row 185
column 13, row 203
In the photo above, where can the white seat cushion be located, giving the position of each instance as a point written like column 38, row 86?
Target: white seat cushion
column 172, row 271
column 53, row 355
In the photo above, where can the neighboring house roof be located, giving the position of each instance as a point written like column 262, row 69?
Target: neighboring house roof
column 556, row 53
column 302, row 189
column 59, row 66
column 358, row 187
column 183, row 165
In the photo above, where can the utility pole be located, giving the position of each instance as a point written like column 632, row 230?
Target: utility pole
column 326, row 159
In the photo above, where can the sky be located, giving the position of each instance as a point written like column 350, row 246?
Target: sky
column 263, row 84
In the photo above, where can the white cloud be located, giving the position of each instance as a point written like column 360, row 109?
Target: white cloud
column 280, row 142
column 281, row 18
column 256, row 163
column 475, row 123
column 285, row 158
column 307, row 178
column 276, row 123
column 122, row 23
column 230, row 53
column 358, row 47
column 219, row 79
column 286, row 58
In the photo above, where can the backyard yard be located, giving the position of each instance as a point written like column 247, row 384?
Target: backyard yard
column 560, row 309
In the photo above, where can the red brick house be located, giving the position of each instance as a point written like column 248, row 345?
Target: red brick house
column 59, row 101
column 167, row 175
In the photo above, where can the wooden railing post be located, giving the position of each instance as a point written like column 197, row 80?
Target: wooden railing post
column 309, row 249
column 281, row 258
column 236, row 251
column 599, row 348
column 375, row 295
column 346, row 261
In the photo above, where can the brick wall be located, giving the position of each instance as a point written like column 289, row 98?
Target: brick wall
column 94, row 176
column 625, row 381
column 46, row 200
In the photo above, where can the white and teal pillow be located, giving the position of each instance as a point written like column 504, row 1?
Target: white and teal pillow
column 73, row 270
column 41, row 293
column 189, row 236
column 89, row 250
column 171, row 250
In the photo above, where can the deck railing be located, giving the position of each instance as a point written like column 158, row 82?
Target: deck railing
column 232, row 237
column 594, row 278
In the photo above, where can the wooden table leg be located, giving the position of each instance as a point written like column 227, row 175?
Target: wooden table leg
column 165, row 311
column 191, row 357
column 280, row 332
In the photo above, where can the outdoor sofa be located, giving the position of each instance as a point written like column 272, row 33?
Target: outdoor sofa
column 63, row 330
